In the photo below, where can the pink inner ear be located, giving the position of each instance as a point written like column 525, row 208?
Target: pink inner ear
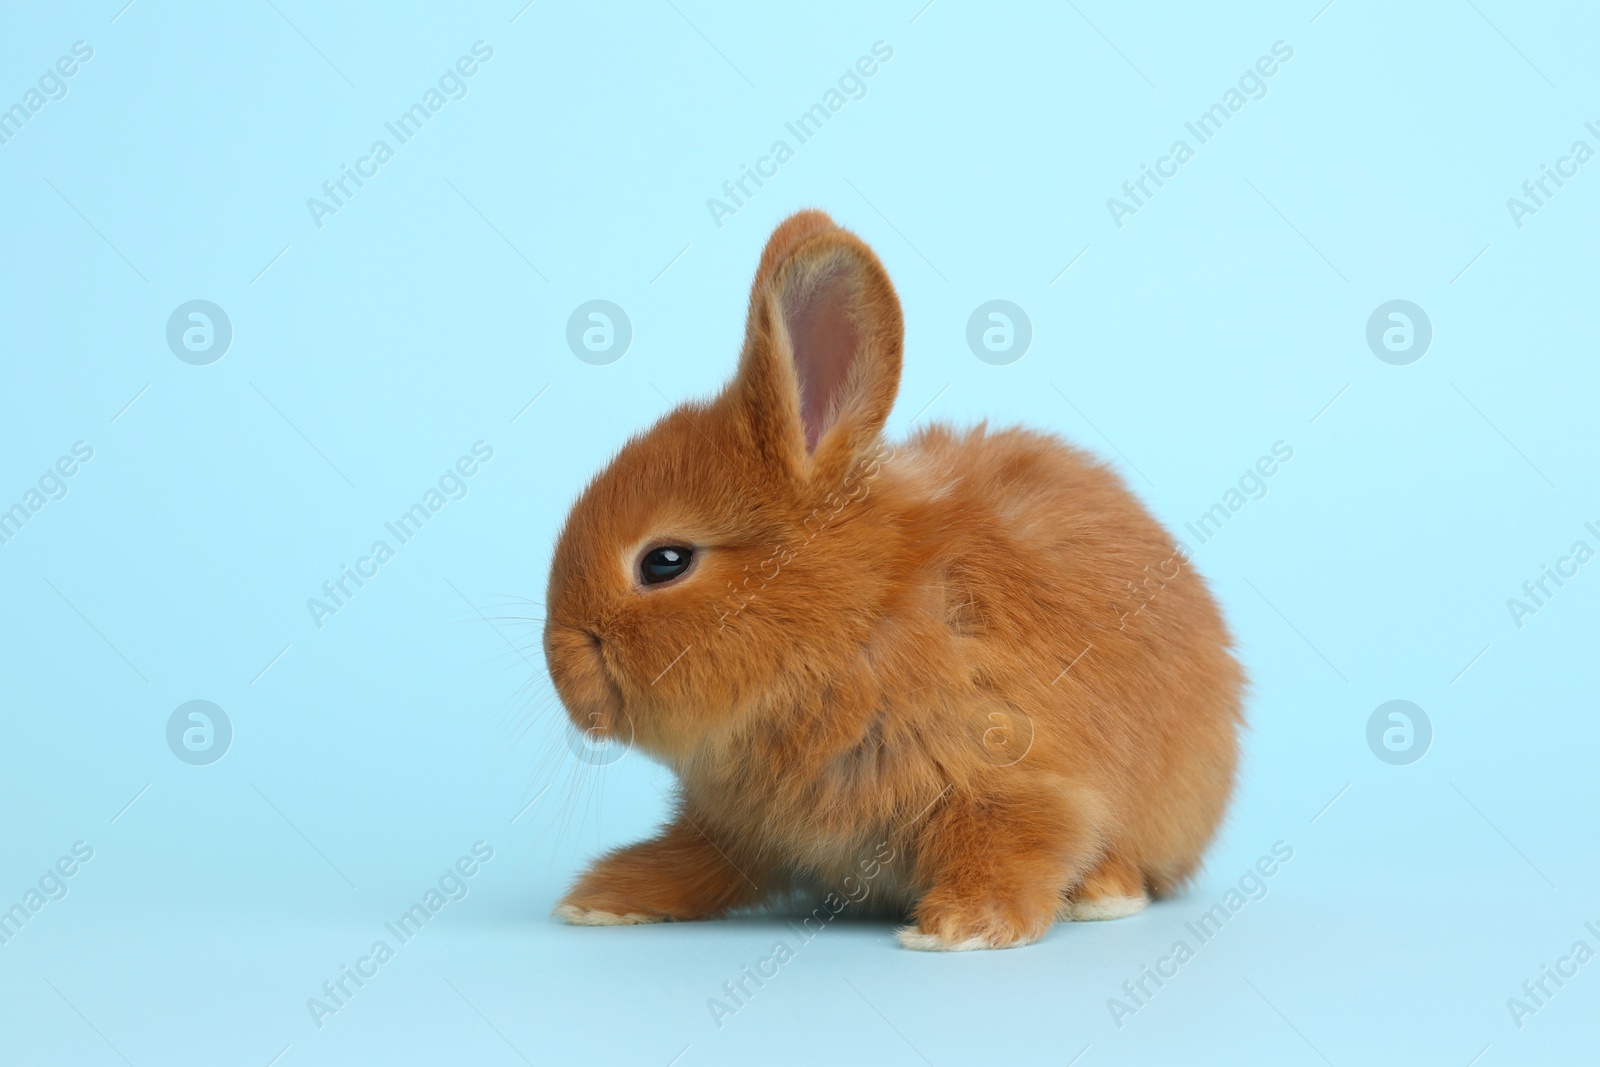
column 825, row 346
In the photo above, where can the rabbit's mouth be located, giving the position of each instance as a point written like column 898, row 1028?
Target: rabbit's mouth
column 576, row 659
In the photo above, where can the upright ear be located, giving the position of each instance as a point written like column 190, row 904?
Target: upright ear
column 822, row 349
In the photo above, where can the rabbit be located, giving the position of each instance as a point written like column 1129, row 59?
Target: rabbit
column 939, row 673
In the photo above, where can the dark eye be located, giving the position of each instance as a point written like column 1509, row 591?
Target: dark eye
column 664, row 564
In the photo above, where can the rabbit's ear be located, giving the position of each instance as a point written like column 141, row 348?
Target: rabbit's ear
column 821, row 361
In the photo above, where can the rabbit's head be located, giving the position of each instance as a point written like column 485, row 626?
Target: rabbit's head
column 734, row 553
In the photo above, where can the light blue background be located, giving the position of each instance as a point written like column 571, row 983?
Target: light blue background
column 369, row 354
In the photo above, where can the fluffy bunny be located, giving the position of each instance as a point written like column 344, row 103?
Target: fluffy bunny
column 969, row 674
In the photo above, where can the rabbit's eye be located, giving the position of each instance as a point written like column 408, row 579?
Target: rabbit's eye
column 664, row 564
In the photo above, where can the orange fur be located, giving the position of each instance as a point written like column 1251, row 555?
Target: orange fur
column 929, row 651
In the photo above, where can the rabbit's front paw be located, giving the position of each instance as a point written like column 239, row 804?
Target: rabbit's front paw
column 599, row 900
column 679, row 875
column 581, row 915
